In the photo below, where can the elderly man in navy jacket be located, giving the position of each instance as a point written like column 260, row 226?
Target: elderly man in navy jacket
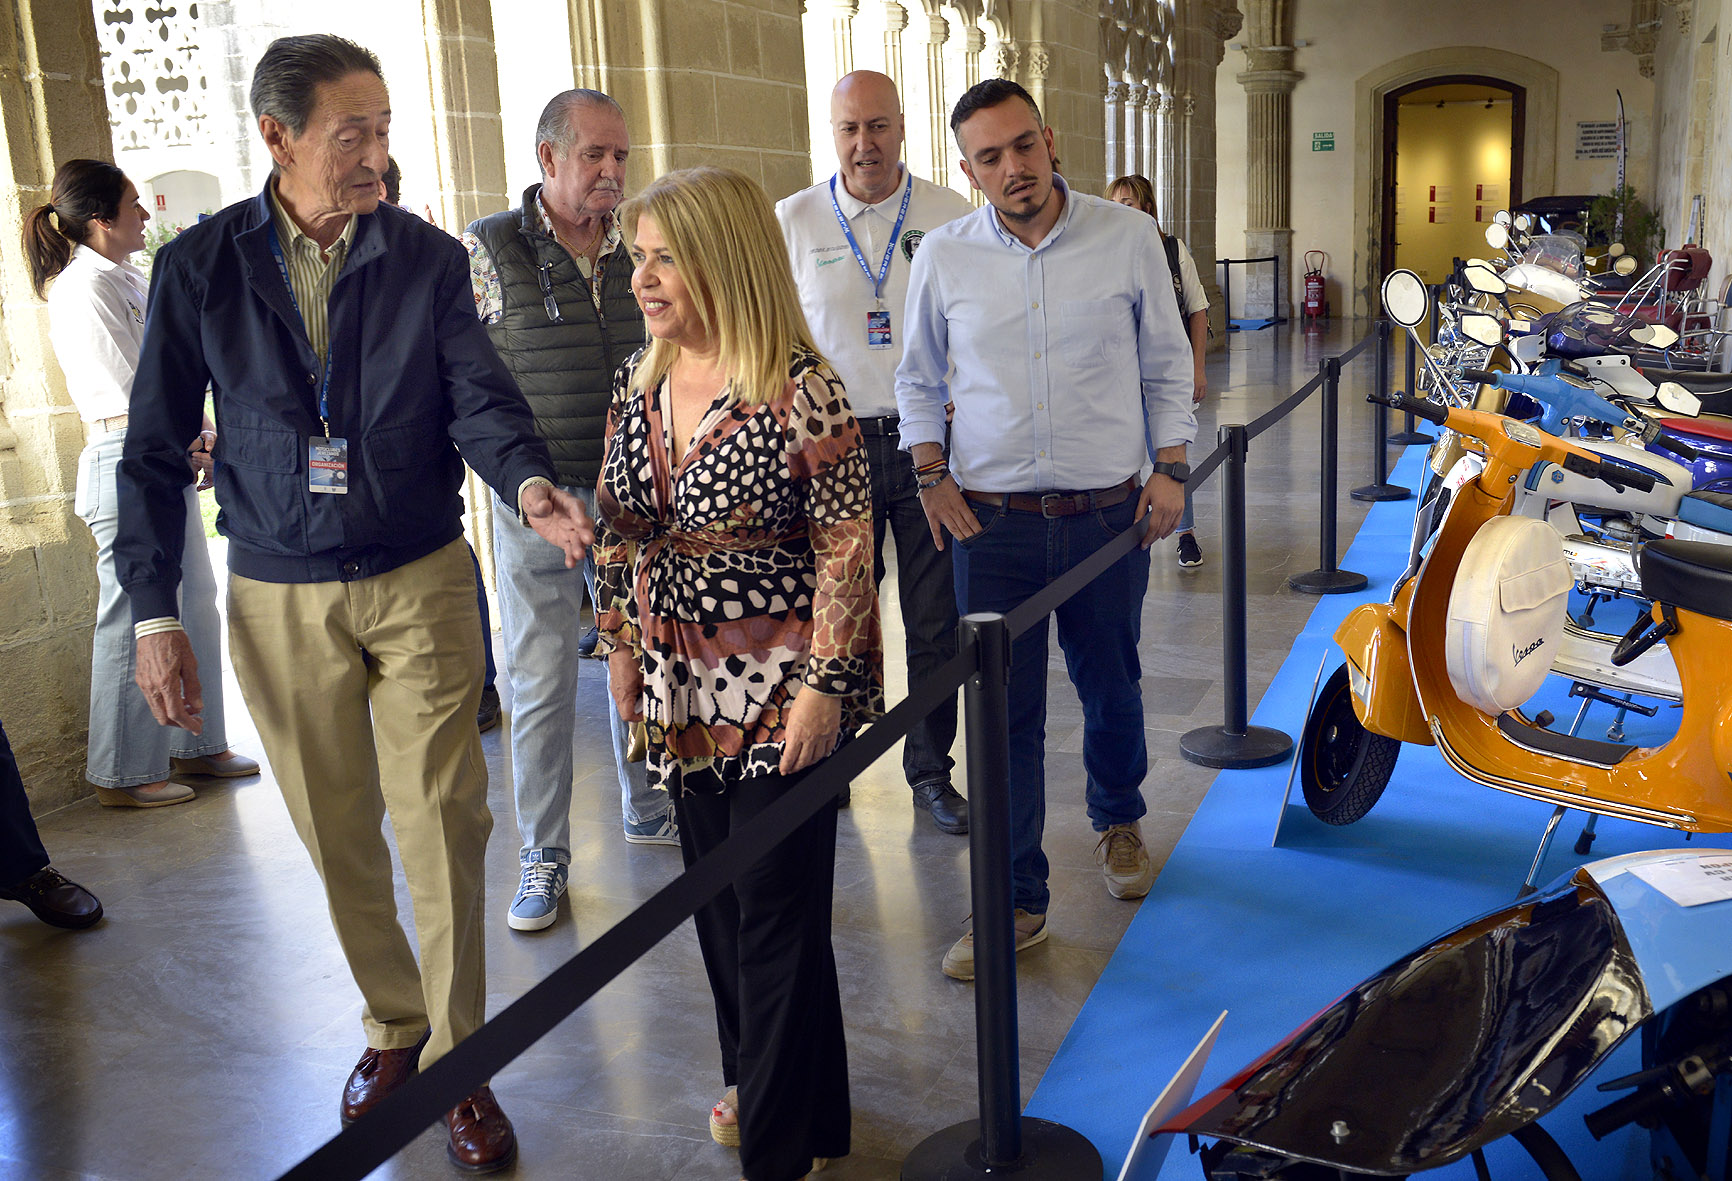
column 351, row 380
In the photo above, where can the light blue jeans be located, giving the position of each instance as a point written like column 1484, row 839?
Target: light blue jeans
column 127, row 748
column 540, row 604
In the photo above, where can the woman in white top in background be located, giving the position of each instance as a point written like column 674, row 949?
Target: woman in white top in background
column 82, row 240
column 1193, row 308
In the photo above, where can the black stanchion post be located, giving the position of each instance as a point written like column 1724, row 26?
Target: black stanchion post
column 1407, row 436
column 1226, row 265
column 1275, row 306
column 1002, row 1141
column 1236, row 743
column 1380, row 488
column 1327, row 579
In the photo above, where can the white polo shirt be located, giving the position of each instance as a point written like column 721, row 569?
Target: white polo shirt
column 837, row 294
column 96, row 324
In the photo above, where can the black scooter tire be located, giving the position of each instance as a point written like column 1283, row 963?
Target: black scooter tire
column 1343, row 767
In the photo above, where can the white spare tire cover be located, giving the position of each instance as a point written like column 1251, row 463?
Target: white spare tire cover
column 1506, row 612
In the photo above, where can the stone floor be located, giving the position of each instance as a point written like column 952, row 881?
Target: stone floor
column 204, row 1029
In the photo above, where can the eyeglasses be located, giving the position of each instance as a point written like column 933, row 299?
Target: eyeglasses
column 544, row 275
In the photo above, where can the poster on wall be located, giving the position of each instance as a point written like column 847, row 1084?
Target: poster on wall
column 1490, row 194
column 1442, row 194
column 1597, row 140
column 1442, row 214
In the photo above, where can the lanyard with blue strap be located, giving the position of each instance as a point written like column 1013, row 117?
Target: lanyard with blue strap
column 878, row 319
column 327, row 457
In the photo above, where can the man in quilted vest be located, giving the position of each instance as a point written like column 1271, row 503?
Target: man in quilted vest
column 553, row 285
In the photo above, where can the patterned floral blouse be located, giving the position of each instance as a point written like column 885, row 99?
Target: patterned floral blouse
column 742, row 575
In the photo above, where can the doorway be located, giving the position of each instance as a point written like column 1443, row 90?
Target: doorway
column 1452, row 153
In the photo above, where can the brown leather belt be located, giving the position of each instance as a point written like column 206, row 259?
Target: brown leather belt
column 1057, row 504
column 112, row 424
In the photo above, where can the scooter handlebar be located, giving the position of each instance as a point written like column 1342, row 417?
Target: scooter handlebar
column 1418, row 407
column 1615, row 474
column 1670, row 444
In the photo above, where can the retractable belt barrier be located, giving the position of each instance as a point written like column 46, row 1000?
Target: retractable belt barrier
column 425, row 1098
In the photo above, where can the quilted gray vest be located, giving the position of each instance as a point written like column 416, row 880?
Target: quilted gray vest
column 564, row 368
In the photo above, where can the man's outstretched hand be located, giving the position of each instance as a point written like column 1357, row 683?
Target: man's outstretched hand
column 560, row 518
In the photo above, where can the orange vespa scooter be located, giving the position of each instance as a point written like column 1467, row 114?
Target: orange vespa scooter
column 1468, row 638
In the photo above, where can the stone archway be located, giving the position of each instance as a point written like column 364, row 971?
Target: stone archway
column 1539, row 151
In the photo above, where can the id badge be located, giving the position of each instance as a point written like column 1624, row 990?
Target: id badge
column 878, row 329
column 327, row 465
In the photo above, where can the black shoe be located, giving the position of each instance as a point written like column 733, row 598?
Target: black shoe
column 587, row 642
column 487, row 714
column 949, row 810
column 1190, row 553
column 54, row 900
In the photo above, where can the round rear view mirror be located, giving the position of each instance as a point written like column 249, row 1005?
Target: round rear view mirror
column 1523, row 222
column 1626, row 264
column 1481, row 329
column 1501, row 217
column 1484, row 280
column 1614, row 250
column 1497, row 235
column 1405, row 299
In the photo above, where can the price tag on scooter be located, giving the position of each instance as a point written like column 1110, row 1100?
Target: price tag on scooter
column 327, row 465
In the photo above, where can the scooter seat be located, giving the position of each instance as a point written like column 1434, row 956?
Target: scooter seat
column 1708, row 426
column 1694, row 380
column 1707, row 510
column 1694, row 575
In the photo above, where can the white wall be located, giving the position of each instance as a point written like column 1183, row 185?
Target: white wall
column 1352, row 38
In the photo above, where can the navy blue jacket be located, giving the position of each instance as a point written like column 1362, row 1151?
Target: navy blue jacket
column 414, row 382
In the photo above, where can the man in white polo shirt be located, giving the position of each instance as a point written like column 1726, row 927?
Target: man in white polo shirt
column 851, row 240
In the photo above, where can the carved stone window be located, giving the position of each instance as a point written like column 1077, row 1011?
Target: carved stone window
column 153, row 71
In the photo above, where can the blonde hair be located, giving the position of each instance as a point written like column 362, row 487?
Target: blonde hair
column 728, row 248
column 1141, row 190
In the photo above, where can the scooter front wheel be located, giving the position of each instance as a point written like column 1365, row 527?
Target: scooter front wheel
column 1343, row 766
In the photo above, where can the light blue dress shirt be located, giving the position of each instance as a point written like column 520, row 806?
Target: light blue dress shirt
column 1071, row 365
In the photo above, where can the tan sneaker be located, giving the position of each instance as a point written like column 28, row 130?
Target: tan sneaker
column 1124, row 861
column 959, row 960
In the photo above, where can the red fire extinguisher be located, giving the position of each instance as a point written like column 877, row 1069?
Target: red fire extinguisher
column 1315, row 307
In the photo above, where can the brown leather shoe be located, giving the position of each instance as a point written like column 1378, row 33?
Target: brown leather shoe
column 376, row 1075
column 481, row 1137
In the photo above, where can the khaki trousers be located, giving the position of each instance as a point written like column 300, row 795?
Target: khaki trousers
column 364, row 694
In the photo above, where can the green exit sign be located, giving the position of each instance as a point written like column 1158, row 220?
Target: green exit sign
column 1322, row 141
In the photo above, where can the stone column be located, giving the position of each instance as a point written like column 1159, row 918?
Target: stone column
column 937, row 33
column 1169, row 173
column 973, row 41
column 1268, row 83
column 842, row 33
column 1200, row 30
column 1039, row 64
column 895, row 20
column 1136, row 153
column 51, row 91
column 469, row 154
column 1114, row 97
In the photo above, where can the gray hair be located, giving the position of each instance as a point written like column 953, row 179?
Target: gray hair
column 288, row 76
column 555, row 125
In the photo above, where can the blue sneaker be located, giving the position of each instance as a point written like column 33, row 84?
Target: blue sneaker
column 537, row 902
column 663, row 830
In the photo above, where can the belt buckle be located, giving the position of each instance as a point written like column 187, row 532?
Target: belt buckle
column 1067, row 503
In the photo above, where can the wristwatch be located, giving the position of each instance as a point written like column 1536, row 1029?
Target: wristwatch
column 1180, row 471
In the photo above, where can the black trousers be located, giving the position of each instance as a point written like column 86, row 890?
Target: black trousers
column 766, row 948
column 21, row 851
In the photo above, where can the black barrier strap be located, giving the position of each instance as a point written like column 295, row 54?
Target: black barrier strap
column 1353, row 352
column 423, row 1100
column 1046, row 600
column 1286, row 407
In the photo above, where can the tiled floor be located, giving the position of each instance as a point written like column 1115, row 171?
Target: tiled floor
column 204, row 1029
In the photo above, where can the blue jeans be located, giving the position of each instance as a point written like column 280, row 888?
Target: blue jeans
column 127, row 748
column 1013, row 556
column 923, row 585
column 1187, row 519
column 540, row 602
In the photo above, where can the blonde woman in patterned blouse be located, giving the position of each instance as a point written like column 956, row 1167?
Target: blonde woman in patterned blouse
column 735, row 575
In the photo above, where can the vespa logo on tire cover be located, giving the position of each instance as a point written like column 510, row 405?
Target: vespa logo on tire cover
column 1522, row 654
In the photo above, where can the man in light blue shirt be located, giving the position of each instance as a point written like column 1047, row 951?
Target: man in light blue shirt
column 1070, row 371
